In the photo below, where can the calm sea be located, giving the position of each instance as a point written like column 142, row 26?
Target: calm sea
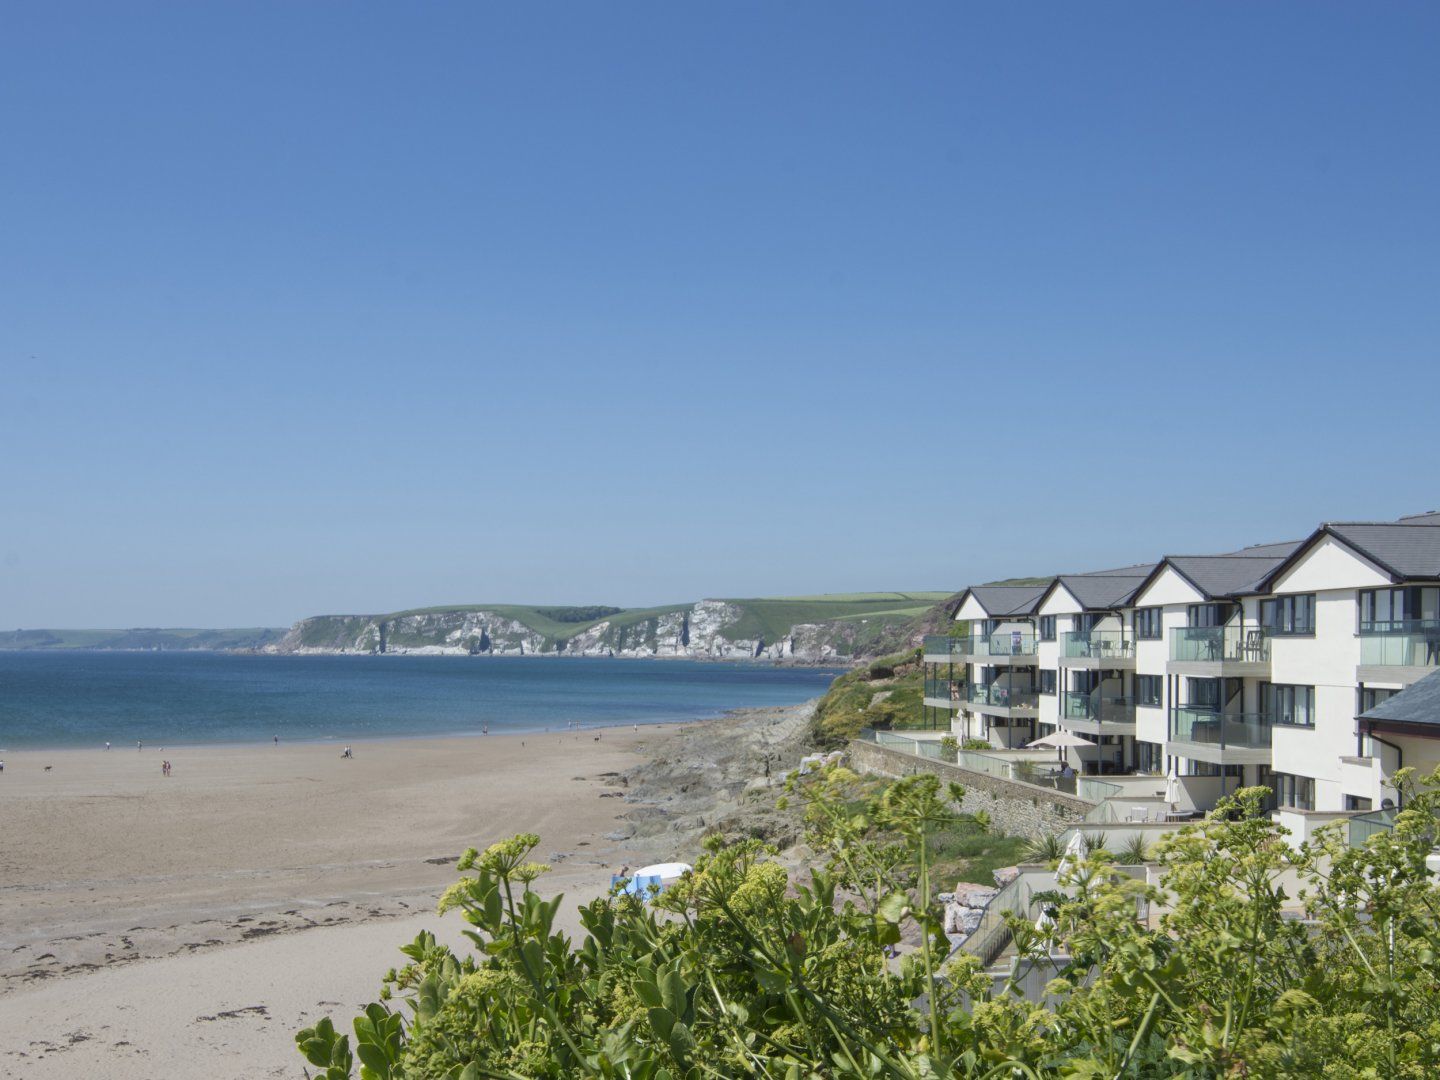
column 85, row 699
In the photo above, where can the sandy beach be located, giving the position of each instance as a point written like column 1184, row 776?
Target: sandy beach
column 153, row 927
column 126, row 896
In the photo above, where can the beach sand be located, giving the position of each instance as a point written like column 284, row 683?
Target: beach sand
column 156, row 927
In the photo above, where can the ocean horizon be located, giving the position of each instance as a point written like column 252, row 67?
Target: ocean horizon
column 80, row 699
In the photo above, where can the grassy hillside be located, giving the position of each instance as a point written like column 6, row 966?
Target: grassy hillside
column 169, row 638
column 885, row 693
column 770, row 618
column 555, row 623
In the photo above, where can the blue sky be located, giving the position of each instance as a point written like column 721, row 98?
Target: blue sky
column 319, row 307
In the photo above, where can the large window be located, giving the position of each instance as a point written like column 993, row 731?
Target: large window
column 1208, row 614
column 1289, row 614
column 1386, row 610
column 1148, row 689
column 1286, row 704
column 1047, row 681
column 1296, row 792
column 1047, row 627
column 1202, row 693
column 1147, row 624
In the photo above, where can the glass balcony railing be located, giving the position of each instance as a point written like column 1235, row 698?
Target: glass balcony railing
column 1239, row 731
column 1100, row 644
column 1233, row 643
column 1364, row 826
column 1399, row 626
column 1094, row 706
column 944, row 645
column 1010, row 697
column 1417, row 645
column 952, row 690
column 1003, row 643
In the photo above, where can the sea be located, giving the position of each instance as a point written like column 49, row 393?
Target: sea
column 51, row 700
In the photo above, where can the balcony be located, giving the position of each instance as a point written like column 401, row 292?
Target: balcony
column 1219, row 650
column 1220, row 738
column 1401, row 652
column 1003, row 647
column 1098, row 649
column 1002, row 700
column 944, row 649
column 944, row 693
column 1093, row 713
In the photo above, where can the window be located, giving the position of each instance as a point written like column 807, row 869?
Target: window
column 1047, row 681
column 1149, row 757
column 1289, row 614
column 1357, row 802
column 1047, row 627
column 1088, row 621
column 1202, row 693
column 1370, row 697
column 1085, row 682
column 1296, row 792
column 1148, row 689
column 1147, row 624
column 1387, row 610
column 1206, row 768
column 1285, row 704
column 1208, row 614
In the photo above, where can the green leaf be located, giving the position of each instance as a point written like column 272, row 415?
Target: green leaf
column 893, row 908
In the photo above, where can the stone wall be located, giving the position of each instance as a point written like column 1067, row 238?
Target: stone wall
column 1015, row 808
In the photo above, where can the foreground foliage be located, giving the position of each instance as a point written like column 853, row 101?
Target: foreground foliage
column 739, row 972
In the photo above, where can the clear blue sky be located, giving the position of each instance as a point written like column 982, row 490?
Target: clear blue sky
column 350, row 307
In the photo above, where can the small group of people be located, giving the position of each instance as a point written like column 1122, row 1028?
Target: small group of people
column 165, row 767
column 347, row 753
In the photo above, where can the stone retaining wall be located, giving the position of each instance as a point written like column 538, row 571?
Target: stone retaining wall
column 1015, row 808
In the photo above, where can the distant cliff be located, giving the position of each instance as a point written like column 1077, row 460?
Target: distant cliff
column 810, row 629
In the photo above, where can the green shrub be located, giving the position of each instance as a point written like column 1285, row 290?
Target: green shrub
column 738, row 972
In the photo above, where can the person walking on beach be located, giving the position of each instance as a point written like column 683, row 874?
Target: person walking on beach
column 107, row 746
column 277, row 742
column 139, row 746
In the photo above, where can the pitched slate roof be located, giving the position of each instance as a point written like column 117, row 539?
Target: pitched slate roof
column 1409, row 550
column 1101, row 592
column 1219, row 576
column 1418, row 703
column 1000, row 600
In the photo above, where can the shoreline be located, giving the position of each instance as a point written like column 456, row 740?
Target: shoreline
column 276, row 886
column 839, row 662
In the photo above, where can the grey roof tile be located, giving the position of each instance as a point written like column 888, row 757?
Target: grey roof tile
column 1220, row 576
column 1008, row 599
column 1410, row 550
column 1102, row 592
column 1418, row 703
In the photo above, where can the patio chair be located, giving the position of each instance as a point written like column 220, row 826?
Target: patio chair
column 1254, row 648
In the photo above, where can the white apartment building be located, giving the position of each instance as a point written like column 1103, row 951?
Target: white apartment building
column 1256, row 666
